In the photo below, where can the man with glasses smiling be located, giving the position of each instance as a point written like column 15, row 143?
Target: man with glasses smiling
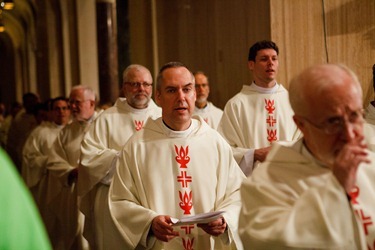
column 318, row 192
column 100, row 149
column 62, row 164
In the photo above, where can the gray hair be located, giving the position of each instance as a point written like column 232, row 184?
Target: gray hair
column 87, row 91
column 125, row 73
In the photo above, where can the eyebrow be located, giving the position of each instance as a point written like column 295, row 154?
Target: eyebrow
column 186, row 85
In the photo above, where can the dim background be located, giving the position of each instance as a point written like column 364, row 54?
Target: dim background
column 48, row 46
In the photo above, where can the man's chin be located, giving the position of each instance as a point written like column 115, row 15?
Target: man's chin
column 140, row 103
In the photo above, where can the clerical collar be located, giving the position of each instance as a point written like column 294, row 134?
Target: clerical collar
column 265, row 90
column 180, row 134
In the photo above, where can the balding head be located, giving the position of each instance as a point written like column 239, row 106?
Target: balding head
column 308, row 87
column 327, row 102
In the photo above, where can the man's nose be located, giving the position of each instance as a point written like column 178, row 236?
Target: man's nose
column 350, row 130
column 181, row 94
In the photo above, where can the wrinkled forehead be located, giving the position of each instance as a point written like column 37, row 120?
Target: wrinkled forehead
column 335, row 97
column 139, row 75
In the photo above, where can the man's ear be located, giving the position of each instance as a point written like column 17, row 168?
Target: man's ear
column 92, row 103
column 299, row 122
column 157, row 97
column 250, row 65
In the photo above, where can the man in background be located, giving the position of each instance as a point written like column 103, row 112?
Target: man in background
column 35, row 155
column 101, row 148
column 260, row 114
column 63, row 162
column 210, row 113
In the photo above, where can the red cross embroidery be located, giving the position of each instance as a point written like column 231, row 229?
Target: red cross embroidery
column 271, row 121
column 184, row 179
column 366, row 220
column 187, row 228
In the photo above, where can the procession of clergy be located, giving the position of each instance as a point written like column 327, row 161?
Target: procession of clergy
column 289, row 169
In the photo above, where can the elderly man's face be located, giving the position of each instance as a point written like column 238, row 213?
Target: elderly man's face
column 81, row 107
column 138, row 88
column 335, row 120
column 202, row 88
column 177, row 97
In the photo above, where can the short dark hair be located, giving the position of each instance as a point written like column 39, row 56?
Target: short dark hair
column 265, row 44
column 168, row 66
column 59, row 98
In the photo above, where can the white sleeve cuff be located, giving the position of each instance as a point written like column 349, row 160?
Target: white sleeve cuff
column 247, row 162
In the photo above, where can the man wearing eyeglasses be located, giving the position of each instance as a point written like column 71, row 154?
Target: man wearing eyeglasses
column 62, row 165
column 209, row 112
column 318, row 192
column 260, row 114
column 101, row 147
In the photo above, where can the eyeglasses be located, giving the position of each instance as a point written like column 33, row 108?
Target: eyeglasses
column 76, row 102
column 336, row 125
column 138, row 84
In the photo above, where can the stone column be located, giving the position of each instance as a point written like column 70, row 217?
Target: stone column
column 107, row 50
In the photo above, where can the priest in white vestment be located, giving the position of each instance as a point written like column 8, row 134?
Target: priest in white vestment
column 35, row 156
column 318, row 192
column 100, row 150
column 63, row 162
column 204, row 108
column 260, row 114
column 175, row 167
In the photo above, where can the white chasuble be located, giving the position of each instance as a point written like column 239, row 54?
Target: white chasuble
column 176, row 173
column 210, row 114
column 62, row 197
column 257, row 117
column 100, row 149
column 34, row 170
column 293, row 202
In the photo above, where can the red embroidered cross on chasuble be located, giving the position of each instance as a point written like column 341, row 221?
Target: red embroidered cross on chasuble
column 271, row 121
column 185, row 194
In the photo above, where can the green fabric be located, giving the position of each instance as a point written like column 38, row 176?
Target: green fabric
column 20, row 223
